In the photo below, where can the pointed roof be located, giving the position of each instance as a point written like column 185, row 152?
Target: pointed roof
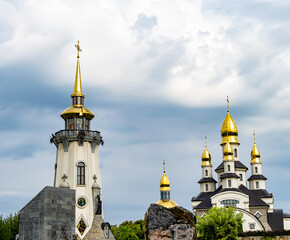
column 78, row 92
column 255, row 153
column 206, row 157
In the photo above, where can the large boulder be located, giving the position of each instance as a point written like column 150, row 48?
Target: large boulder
column 169, row 223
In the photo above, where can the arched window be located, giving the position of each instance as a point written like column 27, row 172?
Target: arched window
column 206, row 187
column 235, row 153
column 206, row 172
column 229, row 168
column 81, row 174
column 229, row 203
column 256, row 170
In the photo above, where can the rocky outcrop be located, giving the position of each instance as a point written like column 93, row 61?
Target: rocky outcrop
column 169, row 223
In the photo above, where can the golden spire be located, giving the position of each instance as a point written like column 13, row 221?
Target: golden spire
column 78, row 82
column 206, row 157
column 164, row 182
column 229, row 130
column 255, row 153
column 228, row 152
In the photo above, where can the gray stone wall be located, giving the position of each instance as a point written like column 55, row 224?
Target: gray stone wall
column 264, row 218
column 49, row 215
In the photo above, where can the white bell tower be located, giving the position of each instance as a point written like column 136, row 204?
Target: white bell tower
column 77, row 158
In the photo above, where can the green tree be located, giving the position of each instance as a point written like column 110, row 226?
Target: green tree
column 220, row 223
column 129, row 230
column 9, row 227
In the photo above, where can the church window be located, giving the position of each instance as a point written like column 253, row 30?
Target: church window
column 87, row 124
column 256, row 170
column 241, row 177
column 79, row 123
column 229, row 168
column 252, row 225
column 257, row 184
column 230, row 203
column 206, row 187
column 81, row 174
column 258, row 214
column 165, row 195
column 82, row 226
column 206, row 172
column 71, row 124
column 229, row 183
column 235, row 153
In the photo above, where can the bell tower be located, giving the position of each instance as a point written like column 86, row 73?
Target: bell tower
column 77, row 158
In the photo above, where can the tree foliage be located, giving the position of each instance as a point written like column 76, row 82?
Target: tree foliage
column 9, row 226
column 220, row 223
column 129, row 230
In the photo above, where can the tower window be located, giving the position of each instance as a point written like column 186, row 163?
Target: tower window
column 256, row 170
column 229, row 183
column 79, row 123
column 241, row 177
column 229, row 168
column 230, row 203
column 206, row 172
column 206, row 187
column 81, row 174
column 71, row 124
column 235, row 153
column 257, row 184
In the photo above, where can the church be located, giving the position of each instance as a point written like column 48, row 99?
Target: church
column 232, row 190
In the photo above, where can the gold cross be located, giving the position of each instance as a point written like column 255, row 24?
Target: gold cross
column 254, row 136
column 78, row 48
column 164, row 166
column 205, row 140
column 228, row 103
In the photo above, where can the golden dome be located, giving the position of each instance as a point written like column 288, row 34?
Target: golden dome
column 228, row 152
column 229, row 130
column 167, row 203
column 206, row 158
column 164, row 183
column 255, row 153
column 77, row 111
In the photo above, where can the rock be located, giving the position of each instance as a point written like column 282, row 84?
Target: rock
column 169, row 223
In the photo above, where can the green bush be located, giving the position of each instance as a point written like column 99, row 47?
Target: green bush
column 129, row 230
column 219, row 223
column 9, row 226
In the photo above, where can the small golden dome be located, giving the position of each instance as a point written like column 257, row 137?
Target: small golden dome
column 77, row 111
column 167, row 203
column 228, row 152
column 164, row 183
column 206, row 158
column 255, row 155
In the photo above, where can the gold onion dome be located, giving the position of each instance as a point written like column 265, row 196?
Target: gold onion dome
column 77, row 110
column 228, row 152
column 229, row 130
column 164, row 183
column 255, row 153
column 206, row 157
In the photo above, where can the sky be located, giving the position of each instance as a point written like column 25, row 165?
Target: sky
column 156, row 74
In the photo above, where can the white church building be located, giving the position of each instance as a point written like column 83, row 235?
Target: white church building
column 252, row 199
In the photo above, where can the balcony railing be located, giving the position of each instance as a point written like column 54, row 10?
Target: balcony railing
column 75, row 133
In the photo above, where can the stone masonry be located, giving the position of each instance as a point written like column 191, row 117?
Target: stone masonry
column 49, row 215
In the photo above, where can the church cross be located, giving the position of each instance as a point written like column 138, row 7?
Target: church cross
column 205, row 140
column 164, row 166
column 64, row 177
column 228, row 103
column 78, row 48
column 95, row 177
column 254, row 136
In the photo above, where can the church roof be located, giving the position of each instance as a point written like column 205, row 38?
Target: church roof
column 208, row 179
column 286, row 215
column 254, row 196
column 257, row 177
column 229, row 175
column 275, row 220
column 238, row 164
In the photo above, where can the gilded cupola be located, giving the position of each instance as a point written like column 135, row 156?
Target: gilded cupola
column 228, row 152
column 229, row 130
column 255, row 153
column 77, row 109
column 206, row 157
column 165, row 191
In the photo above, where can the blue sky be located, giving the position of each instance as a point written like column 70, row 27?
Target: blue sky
column 156, row 75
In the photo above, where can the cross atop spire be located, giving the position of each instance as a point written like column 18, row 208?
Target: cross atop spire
column 95, row 177
column 254, row 134
column 228, row 103
column 164, row 166
column 205, row 140
column 78, row 49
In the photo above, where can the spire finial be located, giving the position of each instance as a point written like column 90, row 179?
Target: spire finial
column 95, row 177
column 228, row 103
column 164, row 166
column 78, row 49
column 254, row 134
column 205, row 138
